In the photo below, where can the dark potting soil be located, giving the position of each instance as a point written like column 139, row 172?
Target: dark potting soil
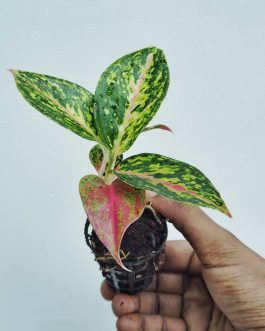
column 142, row 238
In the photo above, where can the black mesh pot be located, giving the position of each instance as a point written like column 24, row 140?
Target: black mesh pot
column 142, row 251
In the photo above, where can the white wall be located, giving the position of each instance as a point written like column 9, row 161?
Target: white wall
column 215, row 105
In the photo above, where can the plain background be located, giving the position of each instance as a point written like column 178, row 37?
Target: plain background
column 215, row 106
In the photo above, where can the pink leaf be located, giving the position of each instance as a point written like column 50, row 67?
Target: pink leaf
column 111, row 209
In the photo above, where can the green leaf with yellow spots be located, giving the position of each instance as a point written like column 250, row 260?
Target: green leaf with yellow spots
column 128, row 95
column 96, row 156
column 171, row 178
column 66, row 103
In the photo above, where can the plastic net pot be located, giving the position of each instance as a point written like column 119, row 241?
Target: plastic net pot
column 142, row 252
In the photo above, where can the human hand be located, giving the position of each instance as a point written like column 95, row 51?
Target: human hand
column 210, row 282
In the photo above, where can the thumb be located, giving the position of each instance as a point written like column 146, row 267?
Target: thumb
column 209, row 240
column 234, row 274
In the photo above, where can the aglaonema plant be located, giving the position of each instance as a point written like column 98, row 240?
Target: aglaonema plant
column 127, row 97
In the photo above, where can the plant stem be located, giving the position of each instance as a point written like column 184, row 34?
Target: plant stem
column 109, row 168
column 104, row 162
column 109, row 177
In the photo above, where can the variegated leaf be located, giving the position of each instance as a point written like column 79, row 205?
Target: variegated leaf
column 96, row 157
column 128, row 95
column 66, row 103
column 171, row 178
column 158, row 126
column 111, row 209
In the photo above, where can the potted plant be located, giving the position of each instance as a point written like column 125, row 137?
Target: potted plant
column 128, row 235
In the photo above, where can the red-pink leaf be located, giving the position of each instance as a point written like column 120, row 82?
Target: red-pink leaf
column 111, row 209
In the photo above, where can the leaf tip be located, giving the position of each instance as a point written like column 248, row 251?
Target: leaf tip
column 166, row 128
column 123, row 267
column 118, row 259
column 227, row 212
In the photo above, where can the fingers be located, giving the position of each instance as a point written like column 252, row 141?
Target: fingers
column 142, row 322
column 198, row 305
column 139, row 322
column 147, row 303
column 170, row 283
column 204, row 235
column 106, row 291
